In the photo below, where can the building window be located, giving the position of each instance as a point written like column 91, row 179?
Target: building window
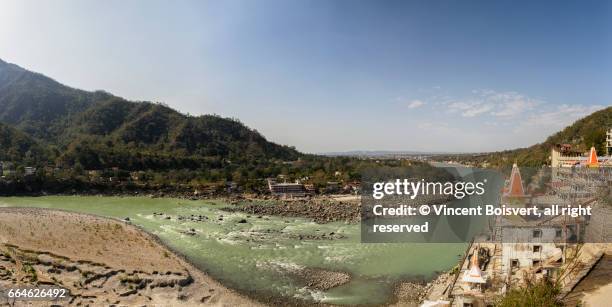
column 468, row 305
column 535, row 263
column 558, row 233
column 514, row 263
column 537, row 248
column 537, row 233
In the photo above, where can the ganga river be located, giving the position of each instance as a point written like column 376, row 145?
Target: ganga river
column 254, row 256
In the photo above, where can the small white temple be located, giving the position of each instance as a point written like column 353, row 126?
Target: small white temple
column 474, row 276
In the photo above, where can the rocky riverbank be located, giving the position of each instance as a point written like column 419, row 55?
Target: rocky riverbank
column 320, row 279
column 321, row 210
column 409, row 293
column 414, row 293
column 313, row 278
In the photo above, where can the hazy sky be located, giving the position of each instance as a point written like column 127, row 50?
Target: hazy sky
column 335, row 75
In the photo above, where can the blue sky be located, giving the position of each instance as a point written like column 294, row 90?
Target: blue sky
column 335, row 75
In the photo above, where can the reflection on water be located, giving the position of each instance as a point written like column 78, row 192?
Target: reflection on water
column 253, row 253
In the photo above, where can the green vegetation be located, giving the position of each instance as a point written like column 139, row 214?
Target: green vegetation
column 542, row 293
column 82, row 140
column 18, row 147
column 98, row 131
column 30, row 272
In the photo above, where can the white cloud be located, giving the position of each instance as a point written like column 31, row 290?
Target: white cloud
column 490, row 102
column 557, row 118
column 469, row 108
column 485, row 120
column 460, row 106
column 493, row 103
column 439, row 128
column 511, row 104
column 415, row 104
column 513, row 108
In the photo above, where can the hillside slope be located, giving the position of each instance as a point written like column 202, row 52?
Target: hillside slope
column 98, row 130
column 39, row 105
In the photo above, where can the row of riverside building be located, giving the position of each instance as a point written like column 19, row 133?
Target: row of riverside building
column 563, row 155
column 8, row 169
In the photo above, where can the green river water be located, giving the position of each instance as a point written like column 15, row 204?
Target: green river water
column 254, row 256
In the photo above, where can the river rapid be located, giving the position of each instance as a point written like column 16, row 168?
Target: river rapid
column 257, row 254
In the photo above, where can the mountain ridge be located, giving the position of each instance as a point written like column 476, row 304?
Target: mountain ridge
column 88, row 128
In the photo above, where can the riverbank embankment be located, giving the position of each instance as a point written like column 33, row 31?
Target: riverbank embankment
column 100, row 261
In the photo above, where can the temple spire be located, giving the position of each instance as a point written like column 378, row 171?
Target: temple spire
column 515, row 187
column 592, row 160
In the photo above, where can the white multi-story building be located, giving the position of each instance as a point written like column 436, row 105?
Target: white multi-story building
column 287, row 189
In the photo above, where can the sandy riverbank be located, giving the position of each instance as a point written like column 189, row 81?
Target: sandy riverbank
column 599, row 297
column 101, row 262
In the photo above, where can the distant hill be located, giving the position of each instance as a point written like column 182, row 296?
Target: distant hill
column 381, row 153
column 98, row 130
column 582, row 134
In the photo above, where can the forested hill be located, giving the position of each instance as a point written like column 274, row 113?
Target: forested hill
column 39, row 105
column 582, row 134
column 17, row 146
column 97, row 130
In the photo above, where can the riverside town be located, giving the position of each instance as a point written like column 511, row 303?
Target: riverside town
column 264, row 153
